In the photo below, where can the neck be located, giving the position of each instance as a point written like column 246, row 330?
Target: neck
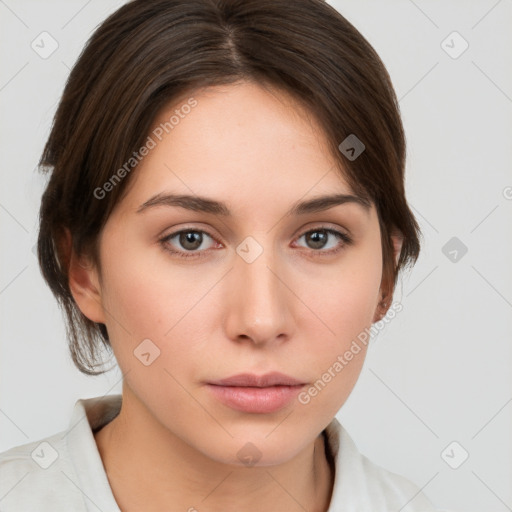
column 149, row 467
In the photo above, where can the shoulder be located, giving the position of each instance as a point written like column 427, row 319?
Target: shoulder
column 63, row 471
column 362, row 484
column 39, row 476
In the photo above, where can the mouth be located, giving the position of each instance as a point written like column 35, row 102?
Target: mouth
column 251, row 393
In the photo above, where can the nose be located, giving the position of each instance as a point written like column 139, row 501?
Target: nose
column 259, row 307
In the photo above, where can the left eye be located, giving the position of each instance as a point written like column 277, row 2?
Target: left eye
column 318, row 238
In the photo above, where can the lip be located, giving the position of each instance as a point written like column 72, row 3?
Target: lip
column 251, row 393
column 258, row 381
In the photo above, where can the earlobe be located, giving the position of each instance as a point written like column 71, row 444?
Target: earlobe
column 380, row 310
column 397, row 239
column 83, row 282
column 384, row 301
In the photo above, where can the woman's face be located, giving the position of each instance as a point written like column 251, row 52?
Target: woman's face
column 248, row 287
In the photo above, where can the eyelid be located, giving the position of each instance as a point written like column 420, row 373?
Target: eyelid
column 198, row 228
column 326, row 226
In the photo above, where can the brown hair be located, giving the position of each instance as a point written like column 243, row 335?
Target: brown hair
column 150, row 52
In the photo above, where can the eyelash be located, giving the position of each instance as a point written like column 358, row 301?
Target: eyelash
column 201, row 254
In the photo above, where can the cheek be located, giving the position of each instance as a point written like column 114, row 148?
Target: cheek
column 149, row 297
column 345, row 301
column 153, row 332
column 143, row 291
column 345, row 295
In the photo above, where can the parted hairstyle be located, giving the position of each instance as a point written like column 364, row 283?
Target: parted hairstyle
column 148, row 53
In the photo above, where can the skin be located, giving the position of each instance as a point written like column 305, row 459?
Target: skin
column 293, row 309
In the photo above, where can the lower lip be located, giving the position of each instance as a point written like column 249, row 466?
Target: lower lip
column 255, row 400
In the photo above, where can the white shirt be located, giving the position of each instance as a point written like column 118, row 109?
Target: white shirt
column 64, row 472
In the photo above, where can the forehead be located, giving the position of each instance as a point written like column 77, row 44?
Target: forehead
column 241, row 142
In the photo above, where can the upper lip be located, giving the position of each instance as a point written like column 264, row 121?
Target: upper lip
column 258, row 381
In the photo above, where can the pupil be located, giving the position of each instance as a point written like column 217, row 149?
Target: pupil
column 192, row 238
column 318, row 238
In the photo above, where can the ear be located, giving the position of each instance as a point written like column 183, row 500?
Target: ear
column 83, row 281
column 385, row 293
column 398, row 240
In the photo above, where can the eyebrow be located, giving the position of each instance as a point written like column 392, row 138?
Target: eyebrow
column 207, row 205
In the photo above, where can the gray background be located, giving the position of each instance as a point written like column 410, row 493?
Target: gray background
column 441, row 370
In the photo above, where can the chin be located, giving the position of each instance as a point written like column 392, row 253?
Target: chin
column 255, row 448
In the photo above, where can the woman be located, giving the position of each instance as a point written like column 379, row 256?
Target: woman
column 226, row 213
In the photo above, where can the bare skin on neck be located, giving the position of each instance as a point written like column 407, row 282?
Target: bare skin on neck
column 177, row 475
